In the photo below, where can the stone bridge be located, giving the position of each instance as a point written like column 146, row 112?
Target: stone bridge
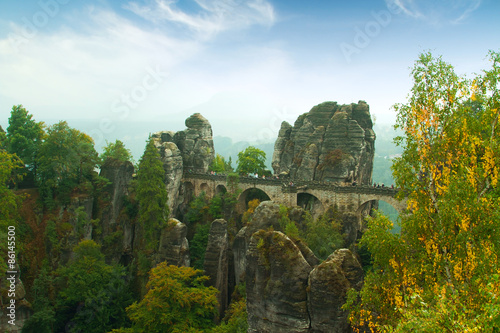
column 315, row 196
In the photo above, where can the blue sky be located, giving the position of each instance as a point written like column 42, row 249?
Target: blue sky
column 245, row 65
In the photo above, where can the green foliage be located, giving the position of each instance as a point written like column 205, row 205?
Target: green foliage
column 82, row 221
column 251, row 160
column 43, row 318
column 287, row 225
column 220, row 165
column 177, row 301
column 233, row 180
column 323, row 235
column 116, row 152
column 24, row 136
column 51, row 238
column 151, row 194
column 67, row 159
column 198, row 245
column 3, row 139
column 94, row 294
column 215, row 206
column 440, row 273
column 40, row 322
column 9, row 201
column 200, row 215
column 198, row 210
column 235, row 320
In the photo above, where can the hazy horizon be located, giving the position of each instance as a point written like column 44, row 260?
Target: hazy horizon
column 244, row 65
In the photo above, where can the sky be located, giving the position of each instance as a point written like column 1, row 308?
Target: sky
column 124, row 69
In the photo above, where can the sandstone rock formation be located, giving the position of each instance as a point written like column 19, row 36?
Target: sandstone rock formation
column 276, row 282
column 194, row 143
column 331, row 142
column 266, row 215
column 22, row 308
column 173, row 246
column 216, row 264
column 119, row 175
column 285, row 293
column 328, row 286
column 288, row 288
column 173, row 165
column 190, row 150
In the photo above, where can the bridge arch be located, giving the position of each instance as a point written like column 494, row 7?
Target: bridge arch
column 310, row 202
column 220, row 189
column 398, row 205
column 187, row 190
column 390, row 208
column 250, row 194
column 205, row 188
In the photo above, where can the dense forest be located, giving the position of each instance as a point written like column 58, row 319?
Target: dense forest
column 439, row 273
column 70, row 272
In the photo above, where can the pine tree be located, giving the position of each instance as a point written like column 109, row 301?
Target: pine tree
column 151, row 194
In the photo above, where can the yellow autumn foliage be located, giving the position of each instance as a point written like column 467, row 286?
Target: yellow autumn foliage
column 441, row 274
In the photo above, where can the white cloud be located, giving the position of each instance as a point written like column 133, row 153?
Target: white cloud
column 107, row 56
column 83, row 68
column 213, row 16
column 433, row 12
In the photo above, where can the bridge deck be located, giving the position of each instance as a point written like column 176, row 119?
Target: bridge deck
column 299, row 185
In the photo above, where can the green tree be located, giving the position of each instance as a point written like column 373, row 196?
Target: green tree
column 251, row 160
column 220, row 165
column 3, row 139
column 116, row 152
column 43, row 318
column 441, row 273
column 198, row 245
column 323, row 235
column 235, row 318
column 67, row 159
column 151, row 194
column 177, row 301
column 94, row 294
column 25, row 136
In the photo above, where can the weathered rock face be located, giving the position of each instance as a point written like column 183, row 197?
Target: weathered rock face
column 196, row 144
column 171, row 157
column 288, row 289
column 216, row 264
column 265, row 216
column 173, row 246
column 119, row 174
column 276, row 282
column 78, row 213
column 332, row 142
column 328, row 286
column 191, row 149
column 22, row 308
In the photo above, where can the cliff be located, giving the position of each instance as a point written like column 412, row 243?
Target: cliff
column 190, row 150
column 331, row 142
